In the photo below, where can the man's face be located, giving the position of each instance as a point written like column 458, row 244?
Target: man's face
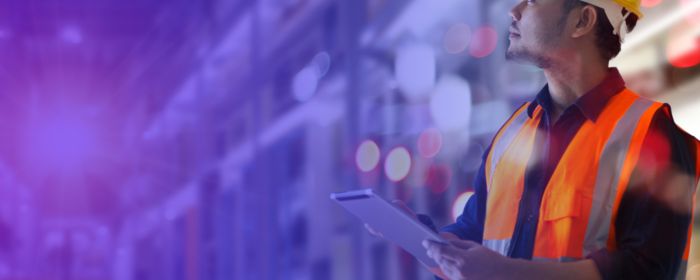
column 537, row 31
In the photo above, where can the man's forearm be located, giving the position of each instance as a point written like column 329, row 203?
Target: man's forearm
column 526, row 269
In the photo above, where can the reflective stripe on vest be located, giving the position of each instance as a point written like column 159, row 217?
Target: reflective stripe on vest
column 608, row 179
column 504, row 156
column 580, row 201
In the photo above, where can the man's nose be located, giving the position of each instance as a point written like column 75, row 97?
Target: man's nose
column 515, row 12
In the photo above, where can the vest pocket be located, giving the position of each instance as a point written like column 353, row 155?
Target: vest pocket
column 562, row 205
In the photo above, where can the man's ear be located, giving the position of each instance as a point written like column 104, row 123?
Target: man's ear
column 586, row 22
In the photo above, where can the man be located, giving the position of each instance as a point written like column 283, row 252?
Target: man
column 587, row 181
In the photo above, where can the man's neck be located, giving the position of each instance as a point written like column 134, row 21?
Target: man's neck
column 569, row 81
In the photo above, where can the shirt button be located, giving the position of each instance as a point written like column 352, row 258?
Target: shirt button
column 530, row 218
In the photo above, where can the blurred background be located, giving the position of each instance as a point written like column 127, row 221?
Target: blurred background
column 201, row 139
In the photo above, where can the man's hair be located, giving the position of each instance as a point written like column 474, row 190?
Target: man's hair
column 608, row 43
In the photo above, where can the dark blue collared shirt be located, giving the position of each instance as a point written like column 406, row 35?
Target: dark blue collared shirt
column 650, row 232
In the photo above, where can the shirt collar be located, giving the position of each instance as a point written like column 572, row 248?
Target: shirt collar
column 590, row 104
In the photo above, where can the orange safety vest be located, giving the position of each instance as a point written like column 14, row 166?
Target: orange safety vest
column 580, row 202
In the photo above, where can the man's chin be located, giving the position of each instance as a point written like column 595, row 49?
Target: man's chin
column 514, row 55
column 524, row 57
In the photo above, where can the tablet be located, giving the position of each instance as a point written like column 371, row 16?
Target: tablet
column 394, row 224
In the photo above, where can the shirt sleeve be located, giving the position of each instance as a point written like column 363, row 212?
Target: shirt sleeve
column 470, row 225
column 654, row 214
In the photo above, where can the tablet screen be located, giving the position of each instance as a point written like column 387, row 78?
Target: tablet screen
column 394, row 224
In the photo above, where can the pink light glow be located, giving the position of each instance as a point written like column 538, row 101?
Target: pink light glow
column 367, row 156
column 650, row 3
column 429, row 142
column 438, row 178
column 683, row 47
column 397, row 164
column 483, row 42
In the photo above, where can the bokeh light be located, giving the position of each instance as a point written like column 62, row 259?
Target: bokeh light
column 415, row 70
column 650, row 3
column 693, row 17
column 459, row 203
column 397, row 164
column 438, row 178
column 321, row 63
column 450, row 105
column 305, row 83
column 683, row 46
column 483, row 42
column 429, row 142
column 367, row 156
column 457, row 38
